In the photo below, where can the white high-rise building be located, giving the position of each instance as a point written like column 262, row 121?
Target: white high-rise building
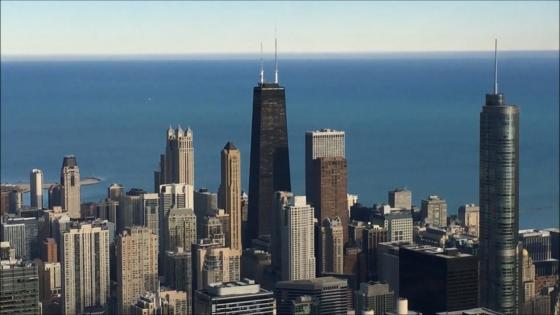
column 325, row 143
column 85, row 266
column 297, row 234
column 70, row 181
column 36, row 191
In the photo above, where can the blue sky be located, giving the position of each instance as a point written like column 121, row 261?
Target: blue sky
column 52, row 28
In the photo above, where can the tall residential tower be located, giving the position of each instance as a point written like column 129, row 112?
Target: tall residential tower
column 85, row 268
column 36, row 192
column 137, row 265
column 499, row 202
column 70, row 181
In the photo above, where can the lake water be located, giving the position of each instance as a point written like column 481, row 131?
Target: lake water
column 410, row 120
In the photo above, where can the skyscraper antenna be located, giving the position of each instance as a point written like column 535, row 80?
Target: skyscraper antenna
column 261, row 74
column 275, row 59
column 496, row 66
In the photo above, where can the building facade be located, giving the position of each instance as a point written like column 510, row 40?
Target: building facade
column 205, row 202
column 399, row 226
column 149, row 212
column 19, row 285
column 328, row 190
column 376, row 296
column 180, row 229
column 436, row 280
column 332, row 295
column 330, row 249
column 400, row 198
column 242, row 297
column 469, row 215
column 434, row 211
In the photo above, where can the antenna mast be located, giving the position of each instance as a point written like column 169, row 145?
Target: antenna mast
column 261, row 74
column 496, row 66
column 275, row 59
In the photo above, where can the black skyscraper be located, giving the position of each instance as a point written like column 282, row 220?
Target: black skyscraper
column 270, row 163
column 435, row 280
column 499, row 203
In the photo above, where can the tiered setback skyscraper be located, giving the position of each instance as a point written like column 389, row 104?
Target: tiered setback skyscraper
column 270, row 163
column 85, row 267
column 36, row 192
column 177, row 164
column 499, row 203
column 137, row 265
column 326, row 175
column 230, row 194
column 70, row 181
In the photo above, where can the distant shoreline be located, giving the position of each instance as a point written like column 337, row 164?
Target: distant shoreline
column 25, row 187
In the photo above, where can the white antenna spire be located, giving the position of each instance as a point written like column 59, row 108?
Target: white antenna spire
column 496, row 66
column 275, row 59
column 261, row 78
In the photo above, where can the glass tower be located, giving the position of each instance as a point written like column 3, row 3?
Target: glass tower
column 499, row 203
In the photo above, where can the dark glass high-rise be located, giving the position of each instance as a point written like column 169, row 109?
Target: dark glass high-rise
column 270, row 164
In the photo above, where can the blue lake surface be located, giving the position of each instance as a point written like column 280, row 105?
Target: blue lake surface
column 411, row 120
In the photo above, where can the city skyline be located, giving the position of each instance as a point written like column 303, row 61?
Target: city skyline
column 244, row 238
column 135, row 28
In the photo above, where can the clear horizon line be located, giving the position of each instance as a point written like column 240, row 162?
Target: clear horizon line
column 251, row 55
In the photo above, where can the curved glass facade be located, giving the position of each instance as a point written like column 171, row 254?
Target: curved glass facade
column 499, row 204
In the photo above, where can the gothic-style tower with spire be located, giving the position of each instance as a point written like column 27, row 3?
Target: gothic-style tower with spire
column 269, row 169
column 499, row 201
column 177, row 164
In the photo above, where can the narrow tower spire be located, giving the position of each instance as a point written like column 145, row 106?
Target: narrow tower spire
column 275, row 60
column 261, row 78
column 496, row 66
